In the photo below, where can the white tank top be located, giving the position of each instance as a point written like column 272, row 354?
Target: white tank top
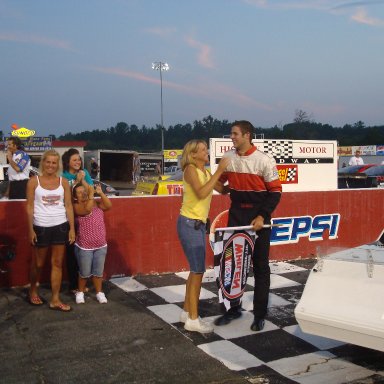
column 49, row 209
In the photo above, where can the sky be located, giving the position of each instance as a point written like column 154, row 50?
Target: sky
column 80, row 65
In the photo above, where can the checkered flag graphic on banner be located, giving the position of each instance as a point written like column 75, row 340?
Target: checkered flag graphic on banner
column 291, row 174
column 279, row 149
column 233, row 251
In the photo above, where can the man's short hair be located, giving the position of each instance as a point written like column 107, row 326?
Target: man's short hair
column 16, row 141
column 245, row 127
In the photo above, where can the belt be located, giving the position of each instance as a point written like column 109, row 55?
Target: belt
column 243, row 205
column 13, row 181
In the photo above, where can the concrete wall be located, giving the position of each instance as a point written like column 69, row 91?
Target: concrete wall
column 142, row 234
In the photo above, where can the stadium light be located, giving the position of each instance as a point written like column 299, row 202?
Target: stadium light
column 160, row 66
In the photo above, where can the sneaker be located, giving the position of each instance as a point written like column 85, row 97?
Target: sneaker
column 79, row 297
column 232, row 314
column 198, row 325
column 183, row 316
column 101, row 298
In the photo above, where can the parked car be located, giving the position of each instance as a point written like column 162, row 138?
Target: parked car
column 375, row 177
column 162, row 185
column 371, row 176
column 352, row 176
column 107, row 189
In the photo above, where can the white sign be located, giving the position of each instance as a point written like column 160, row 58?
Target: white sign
column 303, row 165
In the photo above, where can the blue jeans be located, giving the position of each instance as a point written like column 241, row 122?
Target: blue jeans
column 91, row 262
column 193, row 243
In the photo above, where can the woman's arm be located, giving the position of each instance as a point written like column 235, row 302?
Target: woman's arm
column 69, row 210
column 31, row 186
column 221, row 188
column 203, row 190
column 104, row 203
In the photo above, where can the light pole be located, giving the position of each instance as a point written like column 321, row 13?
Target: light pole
column 160, row 66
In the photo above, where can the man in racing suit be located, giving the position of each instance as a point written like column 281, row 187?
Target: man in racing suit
column 255, row 191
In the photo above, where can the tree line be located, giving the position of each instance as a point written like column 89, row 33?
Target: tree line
column 147, row 139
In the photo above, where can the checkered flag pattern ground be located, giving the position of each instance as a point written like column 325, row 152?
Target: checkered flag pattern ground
column 281, row 353
column 279, row 149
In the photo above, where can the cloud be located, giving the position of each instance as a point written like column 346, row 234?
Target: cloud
column 203, row 88
column 204, row 54
column 361, row 16
column 161, row 31
column 358, row 4
column 35, row 39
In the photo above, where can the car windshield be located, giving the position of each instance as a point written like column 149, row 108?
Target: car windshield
column 378, row 170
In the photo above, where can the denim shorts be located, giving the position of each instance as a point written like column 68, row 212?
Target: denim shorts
column 193, row 243
column 56, row 235
column 91, row 262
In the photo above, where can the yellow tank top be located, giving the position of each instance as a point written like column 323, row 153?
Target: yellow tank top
column 193, row 207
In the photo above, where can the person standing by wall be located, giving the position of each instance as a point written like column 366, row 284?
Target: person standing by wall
column 356, row 160
column 18, row 170
column 136, row 169
column 94, row 168
column 198, row 186
column 91, row 242
column 51, row 226
column 75, row 174
column 255, row 192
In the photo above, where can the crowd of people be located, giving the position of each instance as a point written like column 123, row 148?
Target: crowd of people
column 65, row 220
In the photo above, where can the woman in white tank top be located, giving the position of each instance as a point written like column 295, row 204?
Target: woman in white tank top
column 51, row 226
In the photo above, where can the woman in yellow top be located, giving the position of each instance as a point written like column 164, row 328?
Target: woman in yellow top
column 198, row 186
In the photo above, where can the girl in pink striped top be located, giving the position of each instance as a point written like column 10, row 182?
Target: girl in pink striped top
column 91, row 242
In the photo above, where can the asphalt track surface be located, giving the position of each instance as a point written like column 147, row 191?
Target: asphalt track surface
column 137, row 338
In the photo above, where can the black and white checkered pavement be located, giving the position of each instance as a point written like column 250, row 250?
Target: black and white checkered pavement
column 281, row 353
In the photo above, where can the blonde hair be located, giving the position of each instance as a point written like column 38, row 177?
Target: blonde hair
column 189, row 149
column 50, row 152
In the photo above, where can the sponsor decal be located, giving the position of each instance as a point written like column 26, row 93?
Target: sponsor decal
column 290, row 230
column 174, row 189
column 172, row 154
column 21, row 132
column 288, row 174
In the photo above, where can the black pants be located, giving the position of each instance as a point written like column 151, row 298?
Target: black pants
column 72, row 267
column 260, row 258
column 261, row 272
column 18, row 189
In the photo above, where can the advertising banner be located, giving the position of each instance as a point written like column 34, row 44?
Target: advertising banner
column 172, row 155
column 303, row 165
column 36, row 143
column 366, row 150
column 380, row 150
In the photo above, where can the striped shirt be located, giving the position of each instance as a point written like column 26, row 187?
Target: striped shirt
column 254, row 182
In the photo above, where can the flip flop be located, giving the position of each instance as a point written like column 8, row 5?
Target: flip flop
column 35, row 300
column 61, row 307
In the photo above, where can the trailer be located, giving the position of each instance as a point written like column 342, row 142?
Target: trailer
column 116, row 166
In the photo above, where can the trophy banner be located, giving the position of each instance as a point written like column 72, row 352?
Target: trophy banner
column 233, row 249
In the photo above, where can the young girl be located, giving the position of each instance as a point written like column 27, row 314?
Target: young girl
column 198, row 186
column 91, row 243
